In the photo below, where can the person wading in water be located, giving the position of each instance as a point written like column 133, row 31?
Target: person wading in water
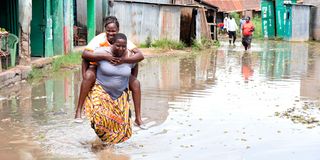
column 247, row 31
column 89, row 68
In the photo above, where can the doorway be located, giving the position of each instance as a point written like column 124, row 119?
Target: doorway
column 188, row 25
column 38, row 26
column 275, row 18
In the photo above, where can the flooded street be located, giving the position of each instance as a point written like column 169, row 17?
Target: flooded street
column 223, row 104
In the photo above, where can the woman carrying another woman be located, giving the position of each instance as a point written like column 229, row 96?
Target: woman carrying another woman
column 107, row 104
column 89, row 69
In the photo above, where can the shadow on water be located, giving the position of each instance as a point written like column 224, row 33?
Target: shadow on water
column 239, row 105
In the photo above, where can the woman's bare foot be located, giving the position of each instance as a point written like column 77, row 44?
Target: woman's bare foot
column 78, row 115
column 138, row 121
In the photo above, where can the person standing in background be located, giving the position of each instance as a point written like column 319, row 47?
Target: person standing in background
column 225, row 23
column 242, row 21
column 232, row 30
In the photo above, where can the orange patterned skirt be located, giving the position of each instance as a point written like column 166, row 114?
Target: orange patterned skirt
column 109, row 118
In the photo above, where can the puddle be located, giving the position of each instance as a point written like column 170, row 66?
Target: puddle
column 222, row 104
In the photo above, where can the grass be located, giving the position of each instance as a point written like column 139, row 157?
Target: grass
column 168, row 44
column 36, row 74
column 69, row 60
column 147, row 43
column 204, row 44
column 66, row 61
column 257, row 22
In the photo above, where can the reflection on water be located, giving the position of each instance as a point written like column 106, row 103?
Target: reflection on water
column 213, row 105
column 284, row 60
column 246, row 67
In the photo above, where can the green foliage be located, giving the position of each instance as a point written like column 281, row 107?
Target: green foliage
column 147, row 43
column 168, row 44
column 257, row 22
column 68, row 60
column 236, row 17
column 143, row 45
column 36, row 74
column 65, row 61
column 204, row 43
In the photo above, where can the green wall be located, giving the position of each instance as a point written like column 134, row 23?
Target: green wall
column 48, row 33
column 91, row 19
column 281, row 17
column 57, row 17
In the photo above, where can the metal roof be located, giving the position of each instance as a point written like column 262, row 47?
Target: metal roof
column 155, row 3
column 234, row 5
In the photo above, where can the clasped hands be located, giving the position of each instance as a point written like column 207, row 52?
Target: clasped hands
column 114, row 60
column 105, row 55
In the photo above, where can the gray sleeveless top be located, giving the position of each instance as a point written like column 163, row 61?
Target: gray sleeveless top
column 113, row 78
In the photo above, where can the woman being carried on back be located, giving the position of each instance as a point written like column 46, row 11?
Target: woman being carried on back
column 89, row 69
column 107, row 104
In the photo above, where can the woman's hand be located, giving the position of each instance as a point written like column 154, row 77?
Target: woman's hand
column 112, row 59
column 121, row 60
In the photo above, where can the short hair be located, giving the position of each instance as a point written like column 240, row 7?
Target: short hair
column 110, row 19
column 120, row 36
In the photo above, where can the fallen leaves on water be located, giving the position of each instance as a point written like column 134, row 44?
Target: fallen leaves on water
column 243, row 139
column 41, row 136
column 308, row 113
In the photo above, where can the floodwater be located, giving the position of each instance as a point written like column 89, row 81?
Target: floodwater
column 223, row 104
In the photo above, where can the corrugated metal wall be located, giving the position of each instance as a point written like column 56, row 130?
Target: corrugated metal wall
column 300, row 23
column 151, row 1
column 134, row 24
column 316, row 18
column 202, row 28
column 138, row 21
column 184, row 2
column 99, row 16
column 170, row 22
column 82, row 14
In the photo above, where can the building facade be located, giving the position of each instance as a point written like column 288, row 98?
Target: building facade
column 315, row 18
column 44, row 27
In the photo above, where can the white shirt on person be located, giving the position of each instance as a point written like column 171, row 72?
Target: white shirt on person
column 225, row 23
column 232, row 25
column 101, row 41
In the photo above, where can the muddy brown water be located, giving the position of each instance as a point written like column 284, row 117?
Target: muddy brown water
column 223, row 104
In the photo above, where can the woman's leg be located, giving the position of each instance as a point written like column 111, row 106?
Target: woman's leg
column 88, row 81
column 134, row 86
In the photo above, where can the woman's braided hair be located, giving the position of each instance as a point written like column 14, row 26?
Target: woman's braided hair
column 111, row 19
